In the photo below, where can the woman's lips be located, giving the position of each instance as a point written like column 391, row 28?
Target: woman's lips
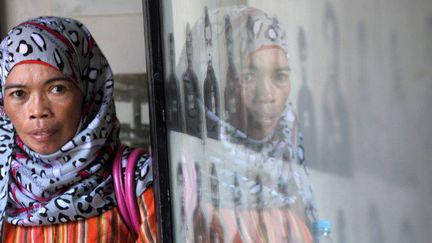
column 42, row 135
column 266, row 120
column 264, row 114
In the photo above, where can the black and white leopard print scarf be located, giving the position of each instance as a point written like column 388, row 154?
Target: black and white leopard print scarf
column 74, row 182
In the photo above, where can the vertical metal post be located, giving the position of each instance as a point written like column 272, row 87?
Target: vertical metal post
column 153, row 24
column 3, row 17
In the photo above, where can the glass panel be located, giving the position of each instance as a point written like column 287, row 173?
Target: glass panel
column 284, row 113
column 236, row 155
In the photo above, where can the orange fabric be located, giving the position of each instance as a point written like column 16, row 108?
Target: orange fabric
column 108, row 227
column 265, row 225
column 148, row 227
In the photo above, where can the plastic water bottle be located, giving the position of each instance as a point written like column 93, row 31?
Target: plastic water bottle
column 322, row 230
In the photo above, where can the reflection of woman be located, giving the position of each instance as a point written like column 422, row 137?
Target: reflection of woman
column 59, row 134
column 271, row 126
column 265, row 87
column 259, row 157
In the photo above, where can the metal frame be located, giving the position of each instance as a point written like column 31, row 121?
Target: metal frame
column 153, row 24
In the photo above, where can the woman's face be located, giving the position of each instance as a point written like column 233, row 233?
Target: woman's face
column 265, row 87
column 43, row 105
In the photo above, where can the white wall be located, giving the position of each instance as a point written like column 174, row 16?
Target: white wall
column 117, row 26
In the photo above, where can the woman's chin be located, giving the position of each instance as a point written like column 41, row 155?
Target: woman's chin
column 44, row 149
column 262, row 130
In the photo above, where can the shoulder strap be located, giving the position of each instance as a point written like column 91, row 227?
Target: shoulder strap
column 125, row 190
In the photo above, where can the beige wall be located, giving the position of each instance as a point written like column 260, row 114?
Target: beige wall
column 120, row 35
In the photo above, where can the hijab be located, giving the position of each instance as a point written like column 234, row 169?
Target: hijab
column 75, row 182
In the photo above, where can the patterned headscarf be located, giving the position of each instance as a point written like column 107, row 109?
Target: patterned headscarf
column 74, row 182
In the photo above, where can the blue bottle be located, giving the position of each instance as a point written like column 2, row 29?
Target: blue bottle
column 322, row 230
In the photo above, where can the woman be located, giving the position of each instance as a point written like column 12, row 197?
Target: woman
column 59, row 135
column 254, row 180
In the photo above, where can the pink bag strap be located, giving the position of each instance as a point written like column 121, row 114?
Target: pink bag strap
column 125, row 191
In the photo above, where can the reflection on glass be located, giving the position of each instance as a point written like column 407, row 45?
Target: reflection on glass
column 249, row 180
column 395, row 68
column 336, row 138
column 211, row 88
column 239, row 60
column 407, row 232
column 306, row 106
column 428, row 100
column 341, row 230
column 192, row 97
column 399, row 117
column 363, row 54
column 233, row 107
column 216, row 230
column 180, row 186
column 262, row 229
column 174, row 115
column 428, row 31
column 375, row 227
column 283, row 189
column 365, row 100
column 199, row 221
column 237, row 201
column 426, row 227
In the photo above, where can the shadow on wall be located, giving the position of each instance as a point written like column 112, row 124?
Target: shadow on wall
column 336, row 140
column 306, row 108
column 428, row 31
column 407, row 232
column 375, row 227
column 427, row 136
column 365, row 101
column 426, row 227
column 341, row 227
column 400, row 117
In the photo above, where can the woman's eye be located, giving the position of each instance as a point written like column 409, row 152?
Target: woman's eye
column 248, row 78
column 18, row 94
column 281, row 78
column 58, row 89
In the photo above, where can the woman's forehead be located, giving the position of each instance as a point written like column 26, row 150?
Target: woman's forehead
column 34, row 68
column 266, row 58
column 26, row 72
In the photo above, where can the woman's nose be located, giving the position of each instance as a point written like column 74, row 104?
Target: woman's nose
column 39, row 108
column 264, row 90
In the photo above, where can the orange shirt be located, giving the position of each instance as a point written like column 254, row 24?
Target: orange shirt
column 107, row 227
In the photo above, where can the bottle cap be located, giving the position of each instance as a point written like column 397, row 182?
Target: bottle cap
column 321, row 225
